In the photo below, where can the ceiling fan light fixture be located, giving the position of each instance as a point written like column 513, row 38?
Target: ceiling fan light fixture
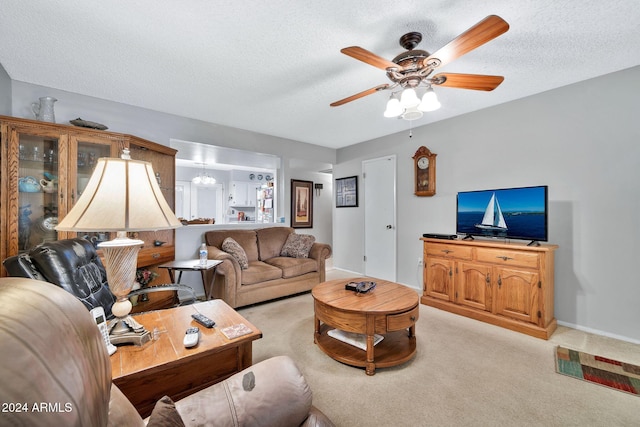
column 429, row 101
column 409, row 98
column 412, row 114
column 394, row 109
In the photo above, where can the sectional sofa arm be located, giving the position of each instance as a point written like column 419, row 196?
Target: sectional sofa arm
column 320, row 251
column 228, row 271
column 272, row 392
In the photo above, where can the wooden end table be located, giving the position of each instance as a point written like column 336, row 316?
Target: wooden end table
column 193, row 265
column 165, row 367
column 389, row 310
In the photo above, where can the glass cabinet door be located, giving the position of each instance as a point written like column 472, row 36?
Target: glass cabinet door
column 38, row 189
column 84, row 153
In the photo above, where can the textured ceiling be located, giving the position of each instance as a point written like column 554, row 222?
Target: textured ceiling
column 275, row 66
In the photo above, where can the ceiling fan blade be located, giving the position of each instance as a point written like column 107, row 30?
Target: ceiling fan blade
column 359, row 95
column 368, row 57
column 468, row 81
column 484, row 31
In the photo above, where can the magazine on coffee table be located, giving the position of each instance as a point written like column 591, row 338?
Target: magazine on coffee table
column 235, row 331
column 356, row 340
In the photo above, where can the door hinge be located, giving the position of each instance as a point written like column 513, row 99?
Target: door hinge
column 364, row 175
column 364, row 258
column 539, row 313
column 539, row 284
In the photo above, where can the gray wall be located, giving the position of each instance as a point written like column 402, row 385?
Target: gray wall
column 582, row 140
column 5, row 92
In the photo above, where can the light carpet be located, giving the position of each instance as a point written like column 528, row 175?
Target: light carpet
column 465, row 373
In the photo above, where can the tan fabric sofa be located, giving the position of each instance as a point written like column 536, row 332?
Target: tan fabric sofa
column 269, row 275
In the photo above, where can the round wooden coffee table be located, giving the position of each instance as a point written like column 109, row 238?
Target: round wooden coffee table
column 390, row 310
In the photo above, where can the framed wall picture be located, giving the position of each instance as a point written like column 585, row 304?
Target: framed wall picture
column 347, row 192
column 301, row 204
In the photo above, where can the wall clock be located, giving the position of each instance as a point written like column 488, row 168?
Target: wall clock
column 424, row 172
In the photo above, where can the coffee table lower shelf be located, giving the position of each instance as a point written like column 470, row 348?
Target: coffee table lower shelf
column 396, row 348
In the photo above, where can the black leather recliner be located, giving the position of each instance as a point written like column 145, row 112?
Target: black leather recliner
column 74, row 265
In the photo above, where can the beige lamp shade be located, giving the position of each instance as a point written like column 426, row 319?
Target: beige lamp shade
column 122, row 195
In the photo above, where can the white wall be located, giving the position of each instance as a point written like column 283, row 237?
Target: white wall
column 582, row 140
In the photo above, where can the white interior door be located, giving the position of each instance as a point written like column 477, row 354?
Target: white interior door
column 379, row 185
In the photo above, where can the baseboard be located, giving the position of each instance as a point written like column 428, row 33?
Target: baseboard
column 598, row 332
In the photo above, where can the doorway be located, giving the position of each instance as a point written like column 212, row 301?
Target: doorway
column 199, row 201
column 379, row 184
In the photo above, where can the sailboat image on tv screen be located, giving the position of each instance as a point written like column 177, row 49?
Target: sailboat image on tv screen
column 493, row 218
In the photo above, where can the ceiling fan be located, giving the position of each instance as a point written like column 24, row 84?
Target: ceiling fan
column 412, row 69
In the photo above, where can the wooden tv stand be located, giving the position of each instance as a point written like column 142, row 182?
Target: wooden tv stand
column 505, row 284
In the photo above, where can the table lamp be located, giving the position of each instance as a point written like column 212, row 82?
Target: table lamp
column 121, row 196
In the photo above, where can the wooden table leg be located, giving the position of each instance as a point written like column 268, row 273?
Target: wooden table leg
column 371, row 366
column 317, row 329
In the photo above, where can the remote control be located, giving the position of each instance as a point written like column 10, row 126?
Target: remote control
column 203, row 320
column 191, row 337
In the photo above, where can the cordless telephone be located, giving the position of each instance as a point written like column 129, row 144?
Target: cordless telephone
column 101, row 321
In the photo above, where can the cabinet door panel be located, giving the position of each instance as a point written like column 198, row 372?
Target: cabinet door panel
column 439, row 278
column 37, row 176
column 474, row 286
column 517, row 294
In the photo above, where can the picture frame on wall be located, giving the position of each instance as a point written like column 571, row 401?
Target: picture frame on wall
column 347, row 192
column 301, row 204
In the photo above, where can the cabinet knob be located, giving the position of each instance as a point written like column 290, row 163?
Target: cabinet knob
column 413, row 318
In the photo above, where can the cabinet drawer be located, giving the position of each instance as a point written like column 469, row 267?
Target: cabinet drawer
column 507, row 257
column 155, row 255
column 396, row 322
column 449, row 251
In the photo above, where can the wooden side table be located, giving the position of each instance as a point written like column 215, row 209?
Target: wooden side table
column 193, row 265
column 164, row 366
column 391, row 309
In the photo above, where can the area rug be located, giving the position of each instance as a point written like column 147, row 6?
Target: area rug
column 599, row 370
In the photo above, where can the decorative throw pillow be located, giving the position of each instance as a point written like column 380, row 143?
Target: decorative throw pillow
column 298, row 245
column 164, row 414
column 234, row 249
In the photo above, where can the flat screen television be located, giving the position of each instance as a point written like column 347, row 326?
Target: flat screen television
column 510, row 213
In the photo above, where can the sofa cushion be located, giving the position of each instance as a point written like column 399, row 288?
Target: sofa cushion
column 271, row 240
column 246, row 238
column 298, row 245
column 293, row 267
column 165, row 414
column 234, row 249
column 259, row 271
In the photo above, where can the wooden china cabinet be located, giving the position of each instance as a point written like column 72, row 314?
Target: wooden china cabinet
column 44, row 167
